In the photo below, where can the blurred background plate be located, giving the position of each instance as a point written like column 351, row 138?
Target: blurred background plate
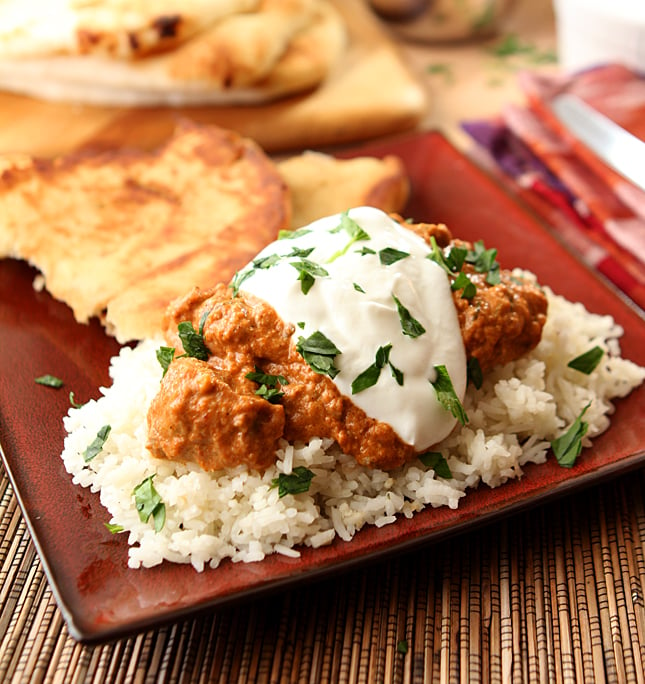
column 372, row 92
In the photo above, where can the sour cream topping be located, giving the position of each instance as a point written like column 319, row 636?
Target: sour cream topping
column 361, row 283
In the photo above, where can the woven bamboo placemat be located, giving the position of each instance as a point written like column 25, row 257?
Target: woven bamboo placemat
column 554, row 594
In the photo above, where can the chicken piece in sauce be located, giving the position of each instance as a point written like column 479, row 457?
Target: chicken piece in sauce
column 203, row 406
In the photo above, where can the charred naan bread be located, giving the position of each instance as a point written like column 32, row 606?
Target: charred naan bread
column 321, row 185
column 121, row 234
column 124, row 29
column 99, row 226
column 173, row 53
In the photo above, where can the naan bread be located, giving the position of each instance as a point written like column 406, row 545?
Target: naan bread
column 257, row 53
column 121, row 234
column 124, row 29
column 98, row 226
column 321, row 185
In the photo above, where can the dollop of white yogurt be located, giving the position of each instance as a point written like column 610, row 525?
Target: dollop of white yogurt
column 366, row 278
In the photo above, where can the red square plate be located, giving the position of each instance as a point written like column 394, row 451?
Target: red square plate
column 99, row 596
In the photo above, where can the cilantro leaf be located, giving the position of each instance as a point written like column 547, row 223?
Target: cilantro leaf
column 436, row 461
column 358, row 288
column 114, row 528
column 165, row 355
column 193, row 340
column 72, row 401
column 269, row 385
column 319, row 352
column 409, row 325
column 586, row 363
column 568, row 446
column 267, row 261
column 447, row 396
column 482, row 259
column 97, row 444
column 462, row 281
column 49, row 381
column 356, row 233
column 389, row 256
column 308, row 271
column 148, row 503
column 293, row 234
column 474, row 372
column 239, row 278
column 296, row 482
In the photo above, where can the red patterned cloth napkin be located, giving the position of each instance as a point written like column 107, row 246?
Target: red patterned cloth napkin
column 598, row 212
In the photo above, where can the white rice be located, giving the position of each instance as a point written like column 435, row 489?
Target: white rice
column 237, row 514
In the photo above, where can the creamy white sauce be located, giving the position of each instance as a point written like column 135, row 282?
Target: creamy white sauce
column 358, row 323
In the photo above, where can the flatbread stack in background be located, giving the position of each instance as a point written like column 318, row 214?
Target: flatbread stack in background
column 167, row 52
column 119, row 234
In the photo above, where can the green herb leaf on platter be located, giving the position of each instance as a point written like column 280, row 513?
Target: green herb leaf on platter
column 296, row 482
column 239, row 278
column 293, row 234
column 269, row 385
column 72, row 401
column 474, row 372
column 308, row 271
column 447, row 396
column 436, row 461
column 463, row 282
column 149, row 504
column 49, row 381
column 588, row 362
column 568, row 446
column 319, row 352
column 97, row 443
column 389, row 256
column 353, row 229
column 165, row 356
column 193, row 340
column 113, row 528
column 409, row 325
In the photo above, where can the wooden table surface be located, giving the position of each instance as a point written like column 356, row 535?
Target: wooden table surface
column 551, row 595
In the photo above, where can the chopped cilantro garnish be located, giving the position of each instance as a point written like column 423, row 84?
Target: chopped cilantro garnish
column 269, row 385
column 308, row 272
column 267, row 261
column 482, row 259
column 568, row 446
column 474, row 373
column 402, row 646
column 447, row 396
column 97, row 444
column 369, row 377
column 358, row 288
column 455, row 258
column 296, row 482
column 365, row 251
column 389, row 256
column 49, row 381
column 148, row 503
column 586, row 363
column 165, row 355
column 293, row 234
column 300, row 252
column 409, row 325
column 356, row 233
column 193, row 340
column 113, row 528
column 437, row 255
column 319, row 352
column 462, row 281
column 72, row 401
column 436, row 461
column 238, row 279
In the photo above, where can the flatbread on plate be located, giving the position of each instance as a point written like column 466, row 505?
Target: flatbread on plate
column 120, row 234
column 247, row 56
